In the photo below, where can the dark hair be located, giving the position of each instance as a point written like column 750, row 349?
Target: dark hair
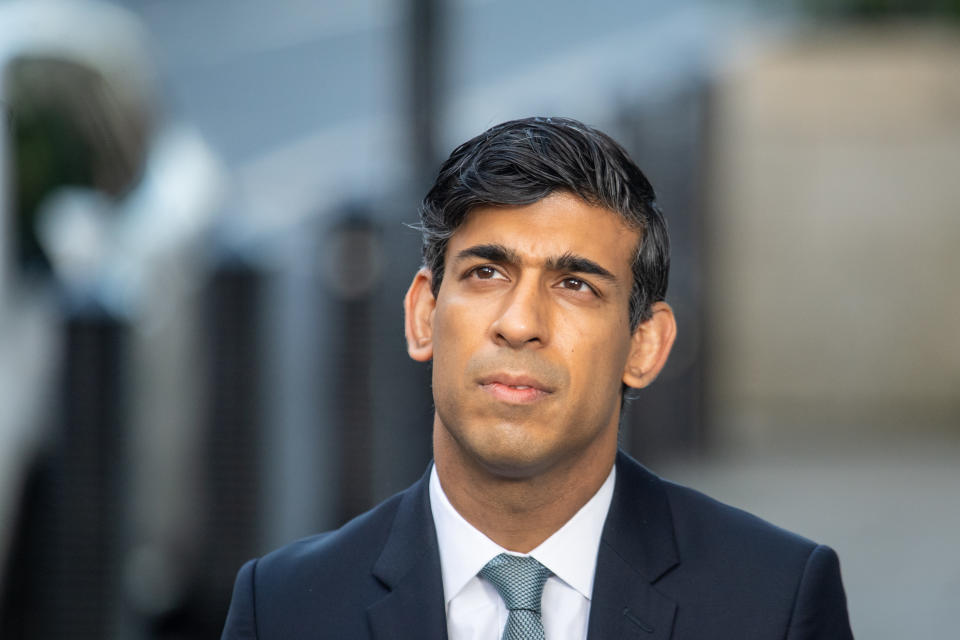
column 522, row 161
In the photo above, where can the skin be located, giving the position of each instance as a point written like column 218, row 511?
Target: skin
column 530, row 340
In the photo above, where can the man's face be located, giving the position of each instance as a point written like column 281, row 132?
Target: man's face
column 530, row 334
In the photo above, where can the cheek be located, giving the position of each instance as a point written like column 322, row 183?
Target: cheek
column 453, row 334
column 598, row 362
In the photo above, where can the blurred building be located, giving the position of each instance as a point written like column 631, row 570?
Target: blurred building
column 106, row 205
column 832, row 234
column 834, row 362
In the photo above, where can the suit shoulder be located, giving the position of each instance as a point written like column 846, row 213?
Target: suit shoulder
column 737, row 552
column 322, row 580
column 742, row 571
column 705, row 523
column 356, row 543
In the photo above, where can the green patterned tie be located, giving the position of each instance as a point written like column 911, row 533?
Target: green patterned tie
column 520, row 582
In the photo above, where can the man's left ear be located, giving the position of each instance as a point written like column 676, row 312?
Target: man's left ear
column 418, row 307
column 650, row 346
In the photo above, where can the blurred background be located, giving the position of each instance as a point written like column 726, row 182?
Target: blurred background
column 204, row 246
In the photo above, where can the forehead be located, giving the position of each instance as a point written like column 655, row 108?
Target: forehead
column 559, row 224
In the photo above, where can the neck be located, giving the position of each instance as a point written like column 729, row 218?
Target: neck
column 519, row 511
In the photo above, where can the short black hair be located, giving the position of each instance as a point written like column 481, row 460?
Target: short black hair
column 522, row 161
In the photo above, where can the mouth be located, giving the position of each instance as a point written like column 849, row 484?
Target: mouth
column 515, row 389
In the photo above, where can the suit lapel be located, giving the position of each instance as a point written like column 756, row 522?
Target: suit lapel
column 409, row 566
column 636, row 548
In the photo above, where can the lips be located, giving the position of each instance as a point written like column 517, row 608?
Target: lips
column 515, row 388
column 516, row 380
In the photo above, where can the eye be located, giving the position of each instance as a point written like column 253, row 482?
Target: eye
column 485, row 272
column 576, row 284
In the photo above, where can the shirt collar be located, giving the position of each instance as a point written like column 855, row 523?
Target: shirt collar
column 570, row 553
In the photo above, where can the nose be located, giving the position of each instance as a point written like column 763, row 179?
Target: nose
column 522, row 320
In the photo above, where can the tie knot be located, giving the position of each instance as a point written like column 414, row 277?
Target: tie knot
column 518, row 579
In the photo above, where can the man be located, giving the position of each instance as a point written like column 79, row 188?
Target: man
column 541, row 299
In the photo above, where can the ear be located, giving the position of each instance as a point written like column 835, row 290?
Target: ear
column 650, row 346
column 418, row 306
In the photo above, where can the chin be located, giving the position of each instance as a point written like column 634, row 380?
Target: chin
column 505, row 448
column 514, row 459
column 513, row 468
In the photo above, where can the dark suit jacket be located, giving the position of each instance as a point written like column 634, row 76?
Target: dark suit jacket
column 673, row 563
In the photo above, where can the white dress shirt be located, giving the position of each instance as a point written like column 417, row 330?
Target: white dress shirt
column 475, row 611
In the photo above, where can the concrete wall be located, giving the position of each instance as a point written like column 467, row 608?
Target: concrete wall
column 834, row 235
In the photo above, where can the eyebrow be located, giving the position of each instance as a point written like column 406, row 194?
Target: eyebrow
column 566, row 262
column 491, row 252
